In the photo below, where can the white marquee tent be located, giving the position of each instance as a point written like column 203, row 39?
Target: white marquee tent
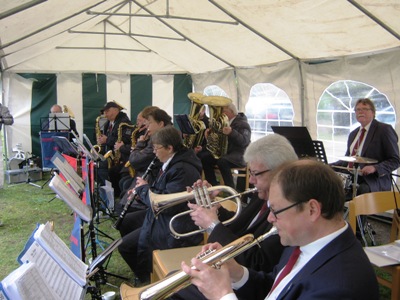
column 301, row 46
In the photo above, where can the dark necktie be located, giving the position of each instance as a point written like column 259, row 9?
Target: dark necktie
column 263, row 209
column 357, row 145
column 110, row 127
column 289, row 266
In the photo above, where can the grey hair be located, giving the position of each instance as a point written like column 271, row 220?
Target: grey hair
column 271, row 150
column 232, row 108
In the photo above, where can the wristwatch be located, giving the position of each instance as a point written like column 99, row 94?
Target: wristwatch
column 212, row 226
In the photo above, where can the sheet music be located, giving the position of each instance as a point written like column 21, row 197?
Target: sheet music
column 69, row 197
column 27, row 283
column 59, row 251
column 68, row 172
column 98, row 155
column 63, row 285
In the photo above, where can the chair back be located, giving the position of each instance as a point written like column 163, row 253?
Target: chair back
column 371, row 203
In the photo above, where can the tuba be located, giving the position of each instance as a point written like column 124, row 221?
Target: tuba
column 196, row 139
column 217, row 142
column 179, row 280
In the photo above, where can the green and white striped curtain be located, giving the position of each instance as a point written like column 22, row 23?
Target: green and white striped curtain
column 30, row 97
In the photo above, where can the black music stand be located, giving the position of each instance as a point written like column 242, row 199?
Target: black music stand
column 184, row 124
column 299, row 137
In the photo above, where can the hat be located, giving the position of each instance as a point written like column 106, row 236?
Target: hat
column 111, row 104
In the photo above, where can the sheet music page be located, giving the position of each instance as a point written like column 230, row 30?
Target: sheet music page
column 27, row 283
column 384, row 255
column 69, row 197
column 59, row 251
column 63, row 285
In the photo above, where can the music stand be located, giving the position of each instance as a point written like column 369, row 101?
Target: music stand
column 184, row 124
column 299, row 137
column 55, row 122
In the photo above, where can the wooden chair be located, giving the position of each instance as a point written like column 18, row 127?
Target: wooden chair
column 373, row 203
column 236, row 172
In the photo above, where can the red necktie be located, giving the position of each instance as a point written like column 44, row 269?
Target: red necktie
column 263, row 209
column 289, row 266
column 110, row 127
column 357, row 145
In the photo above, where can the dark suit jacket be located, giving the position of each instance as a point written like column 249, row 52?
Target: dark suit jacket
column 380, row 144
column 341, row 270
column 264, row 258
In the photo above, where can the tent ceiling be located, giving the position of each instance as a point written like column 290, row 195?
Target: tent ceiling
column 189, row 36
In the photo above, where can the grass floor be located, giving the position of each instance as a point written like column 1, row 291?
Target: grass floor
column 23, row 205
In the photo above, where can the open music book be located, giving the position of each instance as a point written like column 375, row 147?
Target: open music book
column 70, row 197
column 49, row 270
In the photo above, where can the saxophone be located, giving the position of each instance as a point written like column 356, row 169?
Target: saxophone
column 133, row 145
column 117, row 153
column 179, row 280
column 217, row 142
column 97, row 129
column 196, row 139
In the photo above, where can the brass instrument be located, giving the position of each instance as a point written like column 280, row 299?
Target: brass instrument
column 217, row 142
column 117, row 153
column 67, row 110
column 133, row 145
column 160, row 202
column 177, row 281
column 97, row 129
column 196, row 139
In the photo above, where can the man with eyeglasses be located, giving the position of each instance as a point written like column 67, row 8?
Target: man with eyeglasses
column 380, row 142
column 262, row 157
column 306, row 206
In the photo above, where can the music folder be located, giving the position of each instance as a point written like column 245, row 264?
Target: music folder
column 184, row 124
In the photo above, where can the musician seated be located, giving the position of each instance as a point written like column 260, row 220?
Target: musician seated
column 239, row 135
column 326, row 261
column 112, row 111
column 180, row 169
column 143, row 154
column 378, row 142
column 72, row 125
column 263, row 157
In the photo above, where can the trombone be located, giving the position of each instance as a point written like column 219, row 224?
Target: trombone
column 160, row 202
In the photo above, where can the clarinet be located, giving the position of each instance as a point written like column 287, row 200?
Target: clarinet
column 132, row 197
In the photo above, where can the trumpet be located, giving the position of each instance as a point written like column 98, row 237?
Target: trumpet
column 160, row 202
column 177, row 281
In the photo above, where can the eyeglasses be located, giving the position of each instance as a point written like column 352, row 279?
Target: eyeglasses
column 277, row 212
column 255, row 174
column 157, row 148
column 362, row 109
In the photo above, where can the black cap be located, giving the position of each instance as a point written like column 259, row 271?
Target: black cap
column 111, row 104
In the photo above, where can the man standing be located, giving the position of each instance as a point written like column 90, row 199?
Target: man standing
column 375, row 140
column 7, row 119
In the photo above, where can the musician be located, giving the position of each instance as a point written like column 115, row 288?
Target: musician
column 141, row 156
column 72, row 125
column 239, row 134
column 140, row 130
column 112, row 111
column 380, row 142
column 180, row 169
column 306, row 206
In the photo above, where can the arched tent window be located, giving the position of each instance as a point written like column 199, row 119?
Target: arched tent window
column 268, row 106
column 336, row 117
column 214, row 90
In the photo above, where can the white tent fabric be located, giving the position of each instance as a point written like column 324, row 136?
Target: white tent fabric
column 191, row 36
